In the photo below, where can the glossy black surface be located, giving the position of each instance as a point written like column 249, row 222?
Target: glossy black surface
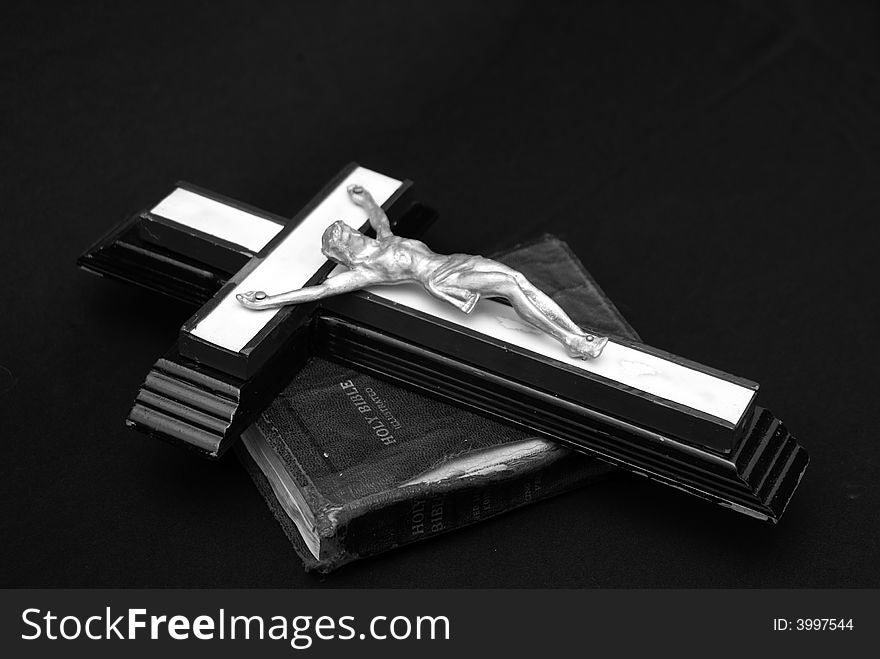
column 203, row 409
column 124, row 255
column 757, row 475
column 167, row 257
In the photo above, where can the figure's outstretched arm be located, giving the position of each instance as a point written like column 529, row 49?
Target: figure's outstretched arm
column 344, row 282
column 378, row 219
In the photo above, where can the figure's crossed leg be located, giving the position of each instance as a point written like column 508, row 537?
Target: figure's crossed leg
column 546, row 304
column 534, row 307
column 578, row 343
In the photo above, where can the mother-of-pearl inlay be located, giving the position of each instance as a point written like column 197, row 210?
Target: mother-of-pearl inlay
column 217, row 219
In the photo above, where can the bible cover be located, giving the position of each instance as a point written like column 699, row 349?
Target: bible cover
column 352, row 465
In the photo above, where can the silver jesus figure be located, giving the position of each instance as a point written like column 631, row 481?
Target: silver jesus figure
column 459, row 279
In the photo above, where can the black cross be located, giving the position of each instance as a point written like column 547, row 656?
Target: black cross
column 653, row 413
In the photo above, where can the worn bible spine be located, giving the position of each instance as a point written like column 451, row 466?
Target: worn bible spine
column 435, row 513
column 426, row 511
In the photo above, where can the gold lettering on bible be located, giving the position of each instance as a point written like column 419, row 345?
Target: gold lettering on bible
column 371, row 418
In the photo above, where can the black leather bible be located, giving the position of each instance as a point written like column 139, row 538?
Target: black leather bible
column 352, row 465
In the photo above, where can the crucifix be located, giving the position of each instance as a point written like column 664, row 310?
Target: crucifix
column 665, row 417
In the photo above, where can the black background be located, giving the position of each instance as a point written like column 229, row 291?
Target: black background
column 715, row 165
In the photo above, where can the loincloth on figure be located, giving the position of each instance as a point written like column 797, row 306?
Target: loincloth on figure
column 442, row 282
